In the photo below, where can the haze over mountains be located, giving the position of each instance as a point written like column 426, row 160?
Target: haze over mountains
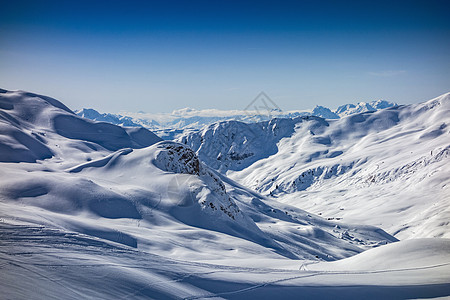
column 351, row 207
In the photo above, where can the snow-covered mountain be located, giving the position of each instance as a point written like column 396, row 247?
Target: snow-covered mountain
column 350, row 109
column 324, row 112
column 113, row 174
column 338, row 168
column 166, row 124
column 94, row 210
column 234, row 145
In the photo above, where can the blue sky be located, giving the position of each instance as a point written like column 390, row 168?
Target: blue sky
column 164, row 55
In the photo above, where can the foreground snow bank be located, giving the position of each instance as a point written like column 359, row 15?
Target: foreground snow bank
column 41, row 263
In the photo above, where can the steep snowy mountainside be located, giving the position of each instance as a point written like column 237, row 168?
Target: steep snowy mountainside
column 388, row 168
column 35, row 127
column 189, row 118
column 236, row 145
column 308, row 158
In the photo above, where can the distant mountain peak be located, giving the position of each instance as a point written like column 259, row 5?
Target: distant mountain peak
column 324, row 112
column 350, row 109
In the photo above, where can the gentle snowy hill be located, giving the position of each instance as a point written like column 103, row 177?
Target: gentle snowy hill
column 35, row 127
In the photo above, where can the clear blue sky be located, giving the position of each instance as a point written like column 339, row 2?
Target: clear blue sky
column 163, row 55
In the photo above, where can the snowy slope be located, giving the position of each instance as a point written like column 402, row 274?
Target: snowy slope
column 389, row 169
column 342, row 168
column 42, row 263
column 35, row 127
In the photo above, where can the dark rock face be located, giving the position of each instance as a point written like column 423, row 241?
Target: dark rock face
column 177, row 158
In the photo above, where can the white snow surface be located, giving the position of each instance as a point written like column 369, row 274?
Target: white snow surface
column 93, row 210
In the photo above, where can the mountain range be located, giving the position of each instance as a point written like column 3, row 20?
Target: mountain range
column 288, row 206
column 170, row 124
